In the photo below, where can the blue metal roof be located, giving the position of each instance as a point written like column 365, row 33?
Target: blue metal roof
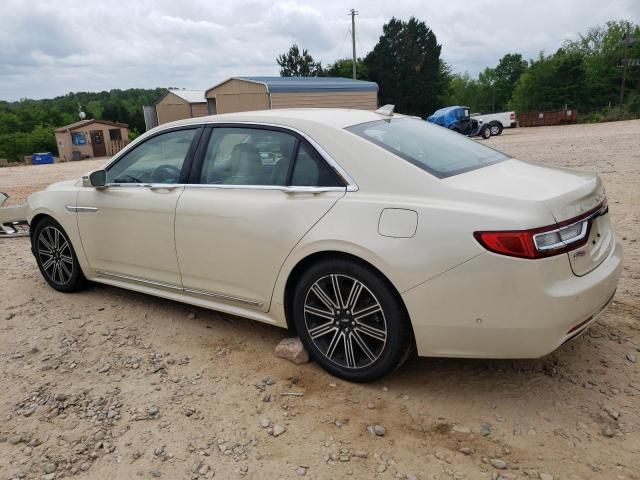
column 313, row 84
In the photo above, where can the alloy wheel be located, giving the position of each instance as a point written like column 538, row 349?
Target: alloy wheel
column 54, row 253
column 495, row 130
column 345, row 321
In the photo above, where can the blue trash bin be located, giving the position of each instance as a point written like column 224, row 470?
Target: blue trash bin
column 41, row 158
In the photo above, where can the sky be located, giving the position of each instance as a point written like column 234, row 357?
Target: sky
column 51, row 47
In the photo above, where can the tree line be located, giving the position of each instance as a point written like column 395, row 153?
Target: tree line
column 27, row 126
column 585, row 74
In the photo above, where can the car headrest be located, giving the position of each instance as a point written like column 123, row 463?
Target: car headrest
column 245, row 161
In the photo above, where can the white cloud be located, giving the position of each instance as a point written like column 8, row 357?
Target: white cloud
column 50, row 47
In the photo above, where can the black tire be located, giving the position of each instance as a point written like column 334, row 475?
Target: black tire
column 56, row 257
column 485, row 132
column 334, row 323
column 496, row 128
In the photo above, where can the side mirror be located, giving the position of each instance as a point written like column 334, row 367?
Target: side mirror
column 98, row 178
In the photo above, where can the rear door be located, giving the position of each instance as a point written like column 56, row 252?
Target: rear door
column 253, row 194
column 127, row 227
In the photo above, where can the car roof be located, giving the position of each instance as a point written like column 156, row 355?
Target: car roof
column 449, row 109
column 332, row 117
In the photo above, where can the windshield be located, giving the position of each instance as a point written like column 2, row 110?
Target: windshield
column 432, row 148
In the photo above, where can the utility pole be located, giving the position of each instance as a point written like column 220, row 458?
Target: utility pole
column 353, row 14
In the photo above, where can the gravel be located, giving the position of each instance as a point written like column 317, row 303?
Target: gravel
column 498, row 463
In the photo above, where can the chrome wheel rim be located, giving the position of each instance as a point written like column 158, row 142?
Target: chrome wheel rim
column 494, row 130
column 345, row 321
column 54, row 253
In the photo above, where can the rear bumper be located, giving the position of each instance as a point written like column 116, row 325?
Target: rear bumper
column 500, row 307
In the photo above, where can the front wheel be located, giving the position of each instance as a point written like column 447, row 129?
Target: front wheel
column 485, row 132
column 351, row 320
column 56, row 258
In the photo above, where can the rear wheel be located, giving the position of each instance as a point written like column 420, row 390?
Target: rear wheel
column 496, row 128
column 351, row 320
column 56, row 258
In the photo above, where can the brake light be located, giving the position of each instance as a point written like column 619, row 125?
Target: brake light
column 512, row 116
column 514, row 244
column 544, row 241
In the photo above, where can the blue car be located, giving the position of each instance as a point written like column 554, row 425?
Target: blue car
column 459, row 120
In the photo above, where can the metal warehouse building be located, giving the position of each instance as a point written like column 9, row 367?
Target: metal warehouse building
column 178, row 104
column 239, row 94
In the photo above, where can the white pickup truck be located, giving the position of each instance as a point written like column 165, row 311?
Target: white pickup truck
column 497, row 121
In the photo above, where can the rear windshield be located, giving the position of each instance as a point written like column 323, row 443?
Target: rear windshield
column 435, row 149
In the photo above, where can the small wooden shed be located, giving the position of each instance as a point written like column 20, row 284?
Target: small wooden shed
column 178, row 104
column 238, row 94
column 91, row 139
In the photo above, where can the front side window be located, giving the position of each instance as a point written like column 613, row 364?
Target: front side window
column 255, row 156
column 158, row 160
column 430, row 147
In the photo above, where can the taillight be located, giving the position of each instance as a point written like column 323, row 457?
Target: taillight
column 512, row 116
column 544, row 241
column 514, row 244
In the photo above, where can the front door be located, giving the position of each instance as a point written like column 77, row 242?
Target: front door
column 127, row 227
column 97, row 143
column 258, row 192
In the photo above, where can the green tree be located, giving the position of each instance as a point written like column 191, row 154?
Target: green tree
column 343, row 67
column 463, row 90
column 407, row 67
column 491, row 91
column 508, row 71
column 551, row 82
column 296, row 64
column 602, row 49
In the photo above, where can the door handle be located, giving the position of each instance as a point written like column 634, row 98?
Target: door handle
column 160, row 186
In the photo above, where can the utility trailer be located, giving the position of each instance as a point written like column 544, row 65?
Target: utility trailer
column 565, row 116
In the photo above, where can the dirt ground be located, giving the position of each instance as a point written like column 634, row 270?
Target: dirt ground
column 109, row 384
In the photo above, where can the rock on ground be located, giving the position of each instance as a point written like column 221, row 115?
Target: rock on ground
column 292, row 349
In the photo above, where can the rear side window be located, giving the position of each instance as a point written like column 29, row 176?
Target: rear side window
column 263, row 157
column 311, row 171
column 247, row 156
column 430, row 147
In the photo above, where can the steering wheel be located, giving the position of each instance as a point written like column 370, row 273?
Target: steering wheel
column 165, row 172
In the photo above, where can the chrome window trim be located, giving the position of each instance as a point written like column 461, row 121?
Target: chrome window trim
column 172, row 186
column 268, row 187
column 173, row 286
column 351, row 185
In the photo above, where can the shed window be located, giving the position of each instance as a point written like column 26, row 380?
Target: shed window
column 115, row 134
column 78, row 138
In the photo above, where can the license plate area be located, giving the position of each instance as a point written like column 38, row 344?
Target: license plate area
column 596, row 249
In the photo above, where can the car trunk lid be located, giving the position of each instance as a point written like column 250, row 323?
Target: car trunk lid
column 567, row 194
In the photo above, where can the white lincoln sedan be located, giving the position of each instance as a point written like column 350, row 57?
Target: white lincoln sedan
column 370, row 234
